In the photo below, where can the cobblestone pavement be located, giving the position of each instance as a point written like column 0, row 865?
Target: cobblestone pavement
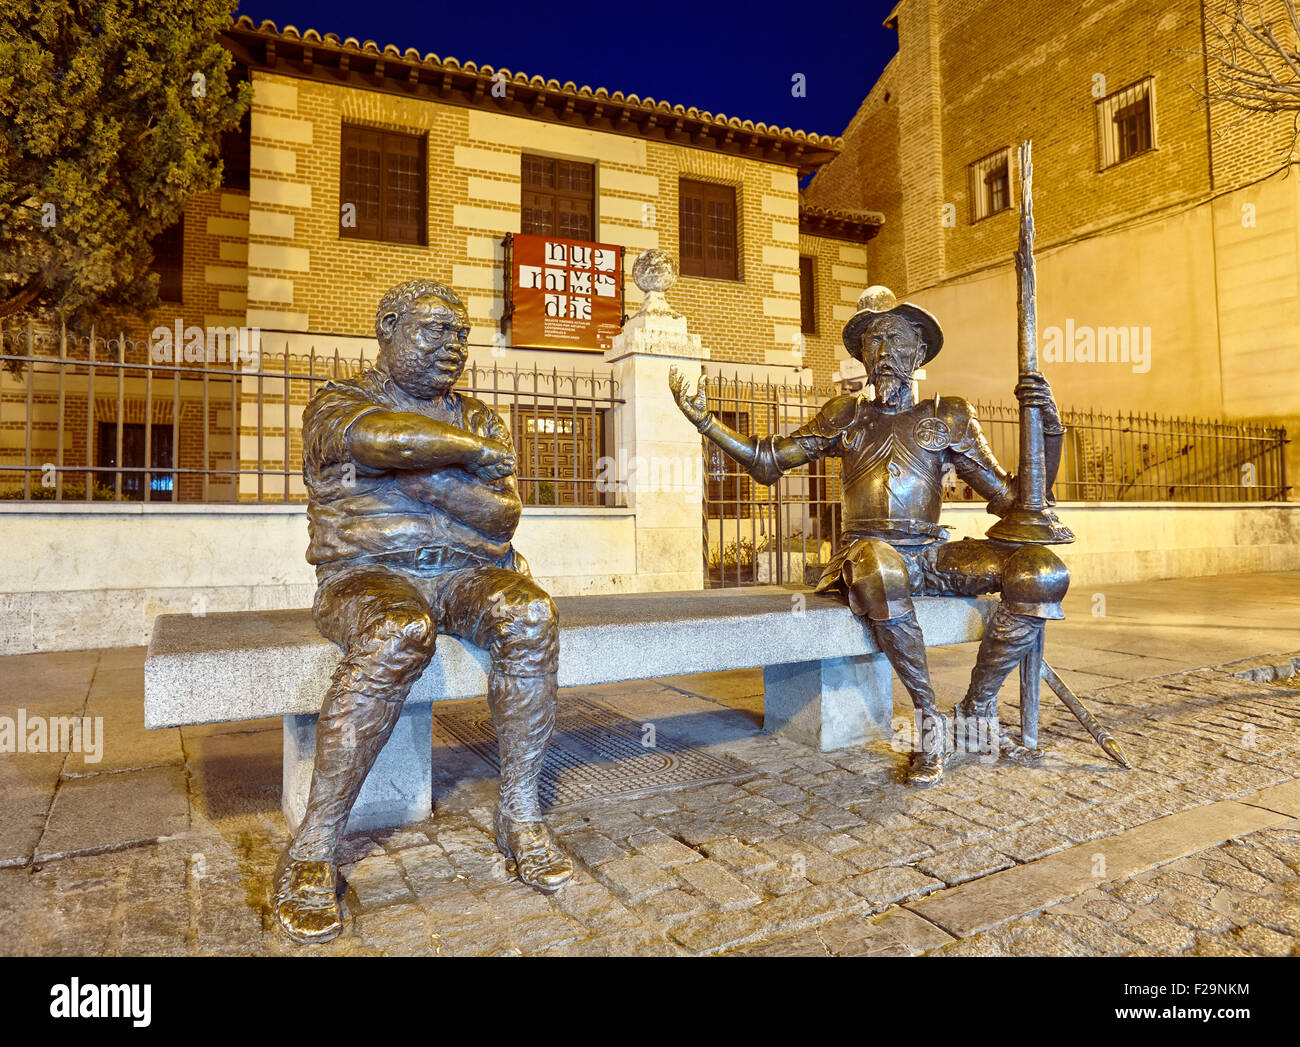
column 166, row 845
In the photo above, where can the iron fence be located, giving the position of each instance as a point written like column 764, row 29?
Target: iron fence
column 755, row 534
column 104, row 419
column 1148, row 458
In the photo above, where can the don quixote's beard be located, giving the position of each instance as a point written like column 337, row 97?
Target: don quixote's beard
column 419, row 373
column 891, row 388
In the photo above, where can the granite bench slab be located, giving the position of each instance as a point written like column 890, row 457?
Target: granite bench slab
column 826, row 683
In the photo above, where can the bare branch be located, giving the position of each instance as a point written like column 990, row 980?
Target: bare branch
column 1253, row 58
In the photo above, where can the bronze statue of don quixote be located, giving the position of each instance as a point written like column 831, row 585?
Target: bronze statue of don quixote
column 413, row 505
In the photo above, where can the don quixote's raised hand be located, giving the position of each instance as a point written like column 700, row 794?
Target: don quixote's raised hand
column 695, row 406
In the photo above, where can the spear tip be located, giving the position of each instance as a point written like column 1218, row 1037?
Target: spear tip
column 1116, row 753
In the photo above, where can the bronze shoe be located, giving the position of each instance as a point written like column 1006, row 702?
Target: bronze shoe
column 926, row 766
column 1010, row 749
column 306, row 901
column 539, row 862
column 989, row 736
column 925, row 769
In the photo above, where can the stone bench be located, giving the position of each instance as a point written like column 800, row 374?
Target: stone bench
column 826, row 683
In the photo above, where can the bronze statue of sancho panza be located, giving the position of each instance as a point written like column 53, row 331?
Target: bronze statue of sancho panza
column 412, row 507
column 895, row 452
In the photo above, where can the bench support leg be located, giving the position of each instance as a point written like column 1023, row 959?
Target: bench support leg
column 397, row 791
column 830, row 704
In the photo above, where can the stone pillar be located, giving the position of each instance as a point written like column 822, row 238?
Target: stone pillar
column 830, row 704
column 660, row 458
column 397, row 791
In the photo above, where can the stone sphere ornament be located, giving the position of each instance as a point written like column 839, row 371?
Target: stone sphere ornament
column 655, row 270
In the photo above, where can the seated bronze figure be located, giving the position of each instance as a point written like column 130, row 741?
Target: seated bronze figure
column 895, row 452
column 412, row 508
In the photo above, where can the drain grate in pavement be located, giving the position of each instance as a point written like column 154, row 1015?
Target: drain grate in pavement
column 597, row 753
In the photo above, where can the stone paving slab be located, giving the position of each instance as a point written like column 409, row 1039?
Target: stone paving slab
column 1208, row 904
column 809, row 854
column 1027, row 888
column 145, row 805
column 27, row 784
column 1284, row 799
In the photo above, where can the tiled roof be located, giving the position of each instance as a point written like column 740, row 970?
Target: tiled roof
column 839, row 223
column 367, row 65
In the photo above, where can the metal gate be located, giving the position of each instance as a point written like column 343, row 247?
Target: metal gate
column 757, row 535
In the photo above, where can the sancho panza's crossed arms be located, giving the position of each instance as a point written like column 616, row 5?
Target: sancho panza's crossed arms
column 368, row 494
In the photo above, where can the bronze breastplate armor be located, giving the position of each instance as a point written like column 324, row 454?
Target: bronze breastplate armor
column 893, row 471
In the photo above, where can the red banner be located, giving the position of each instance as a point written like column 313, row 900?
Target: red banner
column 565, row 294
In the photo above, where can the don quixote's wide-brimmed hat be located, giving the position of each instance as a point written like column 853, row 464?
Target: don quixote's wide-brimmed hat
column 881, row 301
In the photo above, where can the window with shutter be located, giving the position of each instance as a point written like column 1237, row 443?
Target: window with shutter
column 990, row 184
column 384, row 178
column 807, row 295
column 1133, row 126
column 558, row 198
column 1126, row 123
column 707, row 229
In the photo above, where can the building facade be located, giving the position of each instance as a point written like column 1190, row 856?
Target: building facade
column 1167, row 230
column 361, row 167
column 287, row 262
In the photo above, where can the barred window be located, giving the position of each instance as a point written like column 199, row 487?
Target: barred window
column 1126, row 124
column 990, row 184
column 161, row 484
column 557, row 454
column 383, row 177
column 558, row 198
column 728, row 489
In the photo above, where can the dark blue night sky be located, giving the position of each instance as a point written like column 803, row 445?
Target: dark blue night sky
column 736, row 59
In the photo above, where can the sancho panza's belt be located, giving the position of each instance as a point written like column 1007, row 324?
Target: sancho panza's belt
column 430, row 558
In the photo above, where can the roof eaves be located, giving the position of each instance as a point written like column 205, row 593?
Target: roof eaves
column 364, row 64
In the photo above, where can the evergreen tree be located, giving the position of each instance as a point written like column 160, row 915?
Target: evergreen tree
column 111, row 114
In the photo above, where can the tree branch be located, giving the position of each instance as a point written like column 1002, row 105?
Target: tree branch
column 16, row 303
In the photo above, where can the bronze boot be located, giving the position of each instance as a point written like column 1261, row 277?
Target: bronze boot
column 306, row 906
column 523, row 709
column 354, row 724
column 926, row 766
column 1007, row 640
column 901, row 640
